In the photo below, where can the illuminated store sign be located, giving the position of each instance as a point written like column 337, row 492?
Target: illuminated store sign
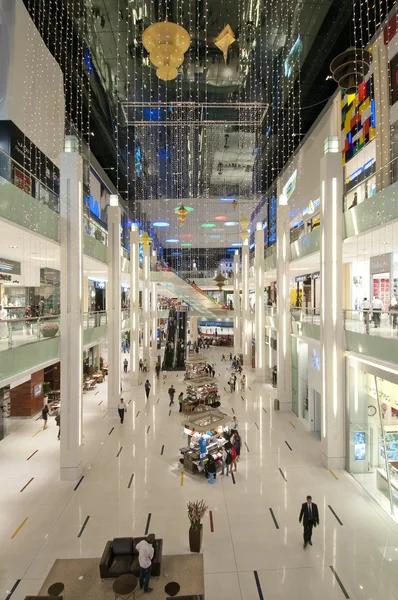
column 310, row 209
column 290, row 185
column 359, row 171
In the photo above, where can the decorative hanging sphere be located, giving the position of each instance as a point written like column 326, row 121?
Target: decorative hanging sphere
column 167, row 43
column 350, row 68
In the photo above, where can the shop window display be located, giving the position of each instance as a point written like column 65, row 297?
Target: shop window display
column 373, row 436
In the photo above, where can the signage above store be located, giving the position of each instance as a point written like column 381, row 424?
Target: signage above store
column 10, row 266
column 381, row 263
column 310, row 209
column 290, row 185
column 300, row 278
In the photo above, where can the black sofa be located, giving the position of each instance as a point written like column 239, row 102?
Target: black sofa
column 120, row 557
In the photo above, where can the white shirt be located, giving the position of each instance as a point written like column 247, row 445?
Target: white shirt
column 146, row 552
column 122, row 406
column 366, row 305
column 377, row 304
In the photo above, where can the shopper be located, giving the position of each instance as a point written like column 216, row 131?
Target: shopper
column 243, row 383
column 145, row 555
column 234, row 456
column 223, row 359
column 122, row 409
column 172, row 391
column 234, row 378
column 237, row 443
column 145, row 369
column 180, row 400
column 157, row 369
column 377, row 307
column 44, row 413
column 125, row 365
column 310, row 517
column 231, row 384
column 234, row 425
column 226, row 459
column 147, row 388
column 141, row 365
column 366, row 313
column 58, row 422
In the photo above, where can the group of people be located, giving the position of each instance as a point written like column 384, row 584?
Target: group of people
column 171, row 393
column 46, row 412
column 372, row 311
column 232, row 383
column 143, row 365
column 230, row 454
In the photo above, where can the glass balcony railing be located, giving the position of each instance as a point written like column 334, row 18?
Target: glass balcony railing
column 18, row 332
column 95, row 230
column 305, row 315
column 370, row 185
column 377, row 323
column 12, row 172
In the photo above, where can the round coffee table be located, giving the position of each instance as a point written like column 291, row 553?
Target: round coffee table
column 56, row 589
column 172, row 588
column 124, row 586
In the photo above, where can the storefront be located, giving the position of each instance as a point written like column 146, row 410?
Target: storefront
column 308, row 383
column 382, row 279
column 372, row 406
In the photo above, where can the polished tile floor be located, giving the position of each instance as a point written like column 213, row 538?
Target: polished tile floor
column 129, row 482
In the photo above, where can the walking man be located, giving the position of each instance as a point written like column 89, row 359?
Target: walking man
column 147, row 388
column 310, row 517
column 125, row 365
column 122, row 408
column 171, row 394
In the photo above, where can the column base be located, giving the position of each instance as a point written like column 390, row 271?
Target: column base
column 333, row 462
column 71, row 473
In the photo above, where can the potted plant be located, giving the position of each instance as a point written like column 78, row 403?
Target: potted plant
column 49, row 329
column 196, row 512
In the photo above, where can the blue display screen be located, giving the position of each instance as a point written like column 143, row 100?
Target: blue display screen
column 359, row 445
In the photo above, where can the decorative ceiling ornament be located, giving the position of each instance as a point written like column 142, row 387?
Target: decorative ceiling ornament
column 220, row 281
column 350, row 68
column 244, row 235
column 181, row 213
column 234, row 204
column 244, row 223
column 166, row 43
column 224, row 39
column 145, row 239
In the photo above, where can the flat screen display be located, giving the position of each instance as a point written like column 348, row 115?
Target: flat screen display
column 359, row 445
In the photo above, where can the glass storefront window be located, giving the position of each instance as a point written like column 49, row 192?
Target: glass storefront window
column 373, row 436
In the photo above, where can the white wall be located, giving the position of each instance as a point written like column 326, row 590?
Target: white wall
column 31, row 82
column 307, row 161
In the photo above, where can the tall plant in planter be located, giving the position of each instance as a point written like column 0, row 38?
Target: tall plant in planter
column 196, row 512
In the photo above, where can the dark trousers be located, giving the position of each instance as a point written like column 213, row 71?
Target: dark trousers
column 171, row 399
column 145, row 575
column 376, row 317
column 180, row 407
column 121, row 414
column 125, row 368
column 147, row 393
column 308, row 531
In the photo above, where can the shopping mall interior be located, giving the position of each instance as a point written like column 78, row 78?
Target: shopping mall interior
column 199, row 299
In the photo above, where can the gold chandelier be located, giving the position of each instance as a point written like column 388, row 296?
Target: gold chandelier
column 224, row 39
column 145, row 239
column 181, row 213
column 166, row 43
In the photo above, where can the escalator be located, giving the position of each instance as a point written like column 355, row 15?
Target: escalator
column 174, row 354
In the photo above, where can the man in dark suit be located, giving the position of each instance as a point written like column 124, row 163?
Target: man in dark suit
column 310, row 517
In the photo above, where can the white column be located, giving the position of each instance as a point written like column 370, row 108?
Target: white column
column 154, row 318
column 146, row 292
column 246, row 320
column 284, row 385
column 332, row 359
column 134, row 305
column 194, row 330
column 114, row 306
column 260, row 313
column 237, row 309
column 71, row 341
column 382, row 102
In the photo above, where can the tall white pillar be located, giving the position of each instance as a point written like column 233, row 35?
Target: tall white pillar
column 332, row 359
column 146, row 292
column 134, row 305
column 284, row 382
column 260, row 313
column 194, row 329
column 154, row 318
column 237, row 308
column 246, row 320
column 114, row 306
column 71, row 341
